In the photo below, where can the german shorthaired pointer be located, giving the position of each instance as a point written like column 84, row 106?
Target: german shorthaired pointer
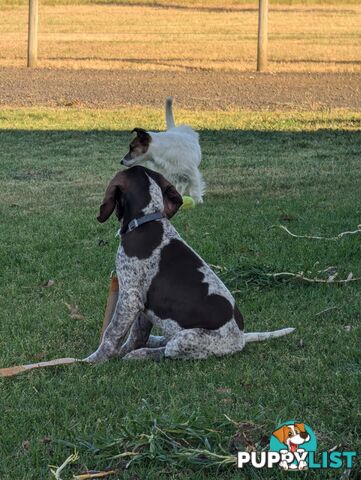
column 163, row 282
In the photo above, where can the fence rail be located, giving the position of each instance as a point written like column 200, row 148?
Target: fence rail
column 261, row 45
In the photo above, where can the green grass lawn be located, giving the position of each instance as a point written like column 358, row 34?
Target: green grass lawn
column 301, row 169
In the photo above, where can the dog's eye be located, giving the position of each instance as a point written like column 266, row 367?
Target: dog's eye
column 297, row 431
column 290, row 434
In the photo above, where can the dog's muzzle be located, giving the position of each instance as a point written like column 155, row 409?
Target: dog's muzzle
column 125, row 162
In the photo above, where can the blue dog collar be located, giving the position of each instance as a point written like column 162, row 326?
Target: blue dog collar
column 137, row 222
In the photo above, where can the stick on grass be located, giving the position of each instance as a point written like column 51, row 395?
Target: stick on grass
column 311, row 237
column 11, row 371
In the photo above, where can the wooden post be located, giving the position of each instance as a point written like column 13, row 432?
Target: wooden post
column 262, row 36
column 33, row 33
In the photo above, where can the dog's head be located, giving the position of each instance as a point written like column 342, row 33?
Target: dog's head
column 138, row 148
column 134, row 192
column 292, row 435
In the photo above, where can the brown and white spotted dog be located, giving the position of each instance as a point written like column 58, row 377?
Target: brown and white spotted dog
column 163, row 282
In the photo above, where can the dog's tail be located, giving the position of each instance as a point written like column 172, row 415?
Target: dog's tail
column 260, row 336
column 169, row 118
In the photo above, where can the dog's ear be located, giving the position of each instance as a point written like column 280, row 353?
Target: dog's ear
column 142, row 135
column 112, row 198
column 172, row 199
column 300, row 426
column 281, row 434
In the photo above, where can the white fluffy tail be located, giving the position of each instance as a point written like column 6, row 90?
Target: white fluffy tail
column 260, row 336
column 169, row 118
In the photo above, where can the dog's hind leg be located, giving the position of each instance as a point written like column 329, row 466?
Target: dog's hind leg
column 197, row 186
column 198, row 343
column 146, row 354
column 140, row 343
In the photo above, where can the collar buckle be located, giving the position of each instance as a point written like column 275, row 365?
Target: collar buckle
column 133, row 225
column 137, row 222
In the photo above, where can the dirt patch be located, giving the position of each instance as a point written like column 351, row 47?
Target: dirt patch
column 192, row 90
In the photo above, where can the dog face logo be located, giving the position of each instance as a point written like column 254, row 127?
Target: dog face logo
column 292, row 435
column 294, row 440
column 293, row 446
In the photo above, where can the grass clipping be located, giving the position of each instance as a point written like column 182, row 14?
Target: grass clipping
column 164, row 440
column 243, row 275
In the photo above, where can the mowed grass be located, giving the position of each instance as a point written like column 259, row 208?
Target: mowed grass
column 302, row 170
column 306, row 37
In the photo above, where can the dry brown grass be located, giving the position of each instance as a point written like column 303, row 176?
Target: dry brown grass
column 315, row 38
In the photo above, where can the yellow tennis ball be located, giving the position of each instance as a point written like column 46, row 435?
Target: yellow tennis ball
column 188, row 202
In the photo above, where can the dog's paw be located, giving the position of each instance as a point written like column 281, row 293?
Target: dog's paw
column 94, row 358
column 284, row 465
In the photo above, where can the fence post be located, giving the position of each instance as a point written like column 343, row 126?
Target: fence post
column 262, row 36
column 33, row 33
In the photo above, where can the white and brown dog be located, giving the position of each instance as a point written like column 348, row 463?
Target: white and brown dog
column 175, row 153
column 164, row 283
column 293, row 436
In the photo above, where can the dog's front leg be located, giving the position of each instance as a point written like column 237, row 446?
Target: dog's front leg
column 127, row 310
column 138, row 336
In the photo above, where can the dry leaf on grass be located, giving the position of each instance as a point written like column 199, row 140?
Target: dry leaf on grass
column 286, row 217
column 247, row 437
column 47, row 284
column 45, row 440
column 26, row 444
column 40, row 356
column 74, row 311
column 76, row 316
column 224, row 390
column 103, row 243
